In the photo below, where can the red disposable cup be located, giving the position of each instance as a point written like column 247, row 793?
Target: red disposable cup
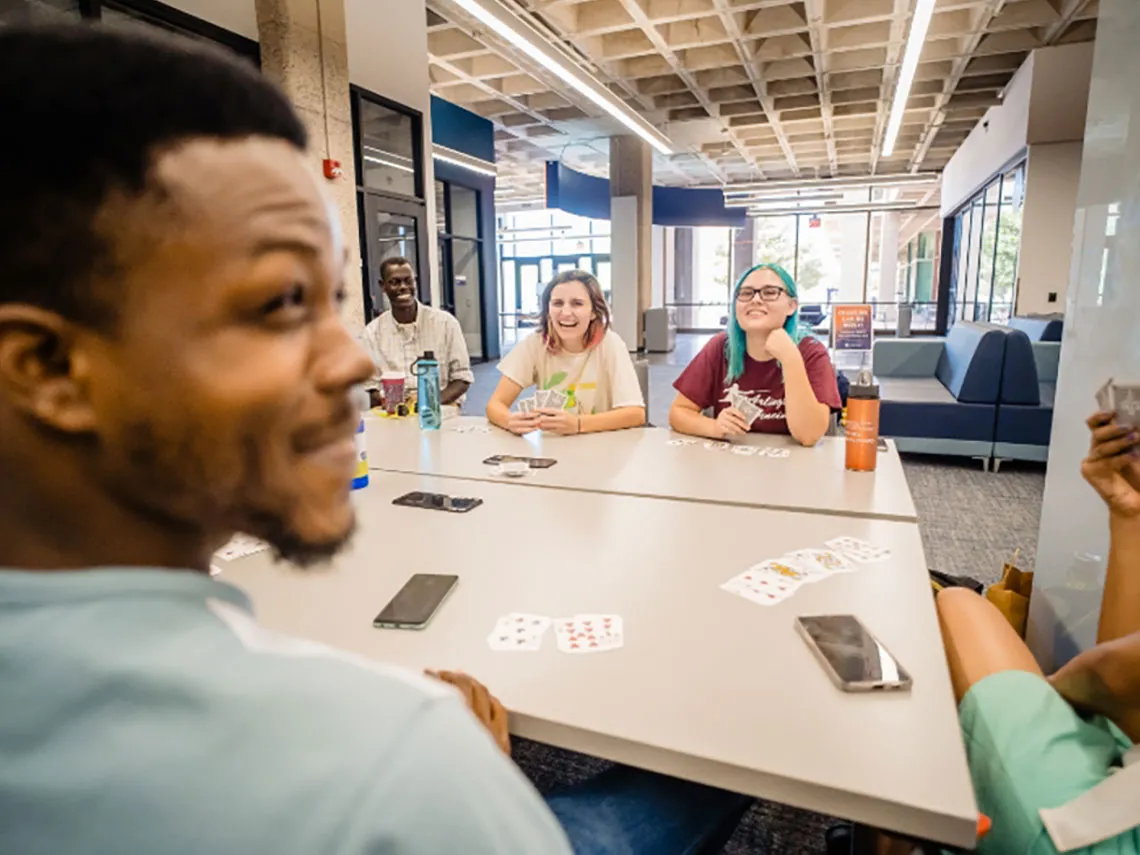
column 392, row 386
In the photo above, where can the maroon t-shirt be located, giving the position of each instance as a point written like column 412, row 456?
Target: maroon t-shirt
column 704, row 382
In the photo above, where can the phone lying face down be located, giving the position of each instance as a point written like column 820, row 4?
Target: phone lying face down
column 416, row 603
column 532, row 462
column 437, row 502
column 854, row 659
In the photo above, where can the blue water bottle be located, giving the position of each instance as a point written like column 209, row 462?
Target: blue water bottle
column 427, row 391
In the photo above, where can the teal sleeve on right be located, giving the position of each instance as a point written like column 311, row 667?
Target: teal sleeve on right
column 1027, row 750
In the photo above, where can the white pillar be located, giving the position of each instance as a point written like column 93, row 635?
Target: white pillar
column 1100, row 341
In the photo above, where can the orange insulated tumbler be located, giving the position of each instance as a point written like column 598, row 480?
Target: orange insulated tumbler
column 863, row 423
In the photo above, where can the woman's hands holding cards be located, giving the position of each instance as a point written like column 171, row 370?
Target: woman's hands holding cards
column 522, row 423
column 561, row 422
column 1112, row 467
column 730, row 422
column 485, row 706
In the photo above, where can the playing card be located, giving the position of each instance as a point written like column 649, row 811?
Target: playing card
column 749, row 410
column 677, row 442
column 712, row 445
column 744, row 450
column 556, row 400
column 819, row 563
column 779, row 453
column 240, row 546
column 859, row 550
column 518, row 631
column 1126, row 402
column 762, row 585
column 589, row 633
column 542, row 399
column 527, row 405
column 1104, row 401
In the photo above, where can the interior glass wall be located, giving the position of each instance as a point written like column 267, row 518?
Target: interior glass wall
column 988, row 239
column 535, row 245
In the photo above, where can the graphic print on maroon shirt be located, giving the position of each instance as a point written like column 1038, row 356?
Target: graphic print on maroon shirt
column 704, row 382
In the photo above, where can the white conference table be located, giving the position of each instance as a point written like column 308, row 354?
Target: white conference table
column 708, row 686
column 641, row 463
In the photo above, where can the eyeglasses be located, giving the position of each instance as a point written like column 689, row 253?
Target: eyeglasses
column 768, row 294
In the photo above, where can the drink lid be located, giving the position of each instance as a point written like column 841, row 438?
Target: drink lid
column 864, row 385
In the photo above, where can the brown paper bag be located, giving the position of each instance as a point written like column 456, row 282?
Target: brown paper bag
column 1011, row 596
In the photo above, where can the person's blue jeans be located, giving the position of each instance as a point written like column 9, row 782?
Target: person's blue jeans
column 626, row 811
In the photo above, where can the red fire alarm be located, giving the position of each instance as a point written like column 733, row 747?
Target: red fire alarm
column 333, row 169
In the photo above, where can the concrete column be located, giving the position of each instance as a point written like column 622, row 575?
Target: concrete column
column 743, row 249
column 631, row 177
column 304, row 50
column 1102, row 305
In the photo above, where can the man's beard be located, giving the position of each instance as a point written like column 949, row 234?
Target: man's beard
column 288, row 546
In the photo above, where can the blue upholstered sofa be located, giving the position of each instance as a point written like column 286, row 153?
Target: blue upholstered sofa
column 939, row 396
column 1025, row 401
column 1039, row 327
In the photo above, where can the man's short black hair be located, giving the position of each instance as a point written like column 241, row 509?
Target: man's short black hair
column 393, row 261
column 85, row 112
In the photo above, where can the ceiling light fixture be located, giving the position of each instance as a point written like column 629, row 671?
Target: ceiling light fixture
column 467, row 161
column 592, row 91
column 919, row 24
column 788, row 185
column 390, row 163
column 823, row 210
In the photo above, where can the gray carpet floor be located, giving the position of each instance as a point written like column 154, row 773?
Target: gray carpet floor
column 970, row 521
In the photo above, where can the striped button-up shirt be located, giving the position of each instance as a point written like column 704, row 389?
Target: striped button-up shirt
column 394, row 346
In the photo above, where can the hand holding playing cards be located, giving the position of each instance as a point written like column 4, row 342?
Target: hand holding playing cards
column 731, row 422
column 520, row 423
column 561, row 422
column 1112, row 467
column 485, row 706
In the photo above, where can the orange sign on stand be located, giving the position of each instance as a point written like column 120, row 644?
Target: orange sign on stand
column 851, row 327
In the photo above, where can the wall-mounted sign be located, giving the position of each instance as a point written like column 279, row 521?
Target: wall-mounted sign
column 851, row 327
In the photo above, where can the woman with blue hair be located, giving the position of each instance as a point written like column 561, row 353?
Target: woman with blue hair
column 763, row 374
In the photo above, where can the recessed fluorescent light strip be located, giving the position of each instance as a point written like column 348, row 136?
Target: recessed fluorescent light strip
column 919, row 24
column 863, row 208
column 458, row 158
column 788, row 185
column 622, row 113
column 390, row 163
column 744, row 202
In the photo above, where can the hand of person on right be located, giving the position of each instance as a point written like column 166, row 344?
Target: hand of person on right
column 1112, row 466
column 522, row 423
column 731, row 422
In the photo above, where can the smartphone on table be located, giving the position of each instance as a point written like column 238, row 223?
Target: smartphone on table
column 533, row 462
column 854, row 659
column 437, row 502
column 416, row 603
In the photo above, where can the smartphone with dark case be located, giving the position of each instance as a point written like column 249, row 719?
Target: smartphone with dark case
column 416, row 603
column 533, row 462
column 437, row 502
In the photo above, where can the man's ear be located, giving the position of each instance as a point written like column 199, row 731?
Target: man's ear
column 41, row 372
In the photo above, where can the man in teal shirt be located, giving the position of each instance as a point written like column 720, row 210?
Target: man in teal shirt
column 173, row 369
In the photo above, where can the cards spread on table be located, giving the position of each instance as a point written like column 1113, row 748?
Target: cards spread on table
column 742, row 449
column 772, row 581
column 1122, row 399
column 240, row 546
column 859, row 550
column 681, row 442
column 586, row 633
column 472, row 428
column 713, row 445
column 589, row 633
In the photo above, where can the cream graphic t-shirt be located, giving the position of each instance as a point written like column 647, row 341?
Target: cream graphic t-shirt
column 596, row 381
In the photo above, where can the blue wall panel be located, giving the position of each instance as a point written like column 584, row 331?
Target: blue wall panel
column 462, row 130
column 588, row 196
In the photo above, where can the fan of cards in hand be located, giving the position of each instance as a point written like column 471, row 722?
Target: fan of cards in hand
column 1122, row 399
column 587, row 633
column 544, row 399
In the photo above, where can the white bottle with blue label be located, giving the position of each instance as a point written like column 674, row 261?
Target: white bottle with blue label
column 360, row 478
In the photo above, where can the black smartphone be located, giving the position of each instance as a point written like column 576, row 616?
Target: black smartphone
column 417, row 602
column 533, row 462
column 437, row 502
column 854, row 659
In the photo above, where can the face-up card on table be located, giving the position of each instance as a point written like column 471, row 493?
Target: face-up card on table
column 858, row 550
column 744, row 450
column 681, row 442
column 819, row 563
column 762, row 585
column 714, row 445
column 590, row 633
column 518, row 631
